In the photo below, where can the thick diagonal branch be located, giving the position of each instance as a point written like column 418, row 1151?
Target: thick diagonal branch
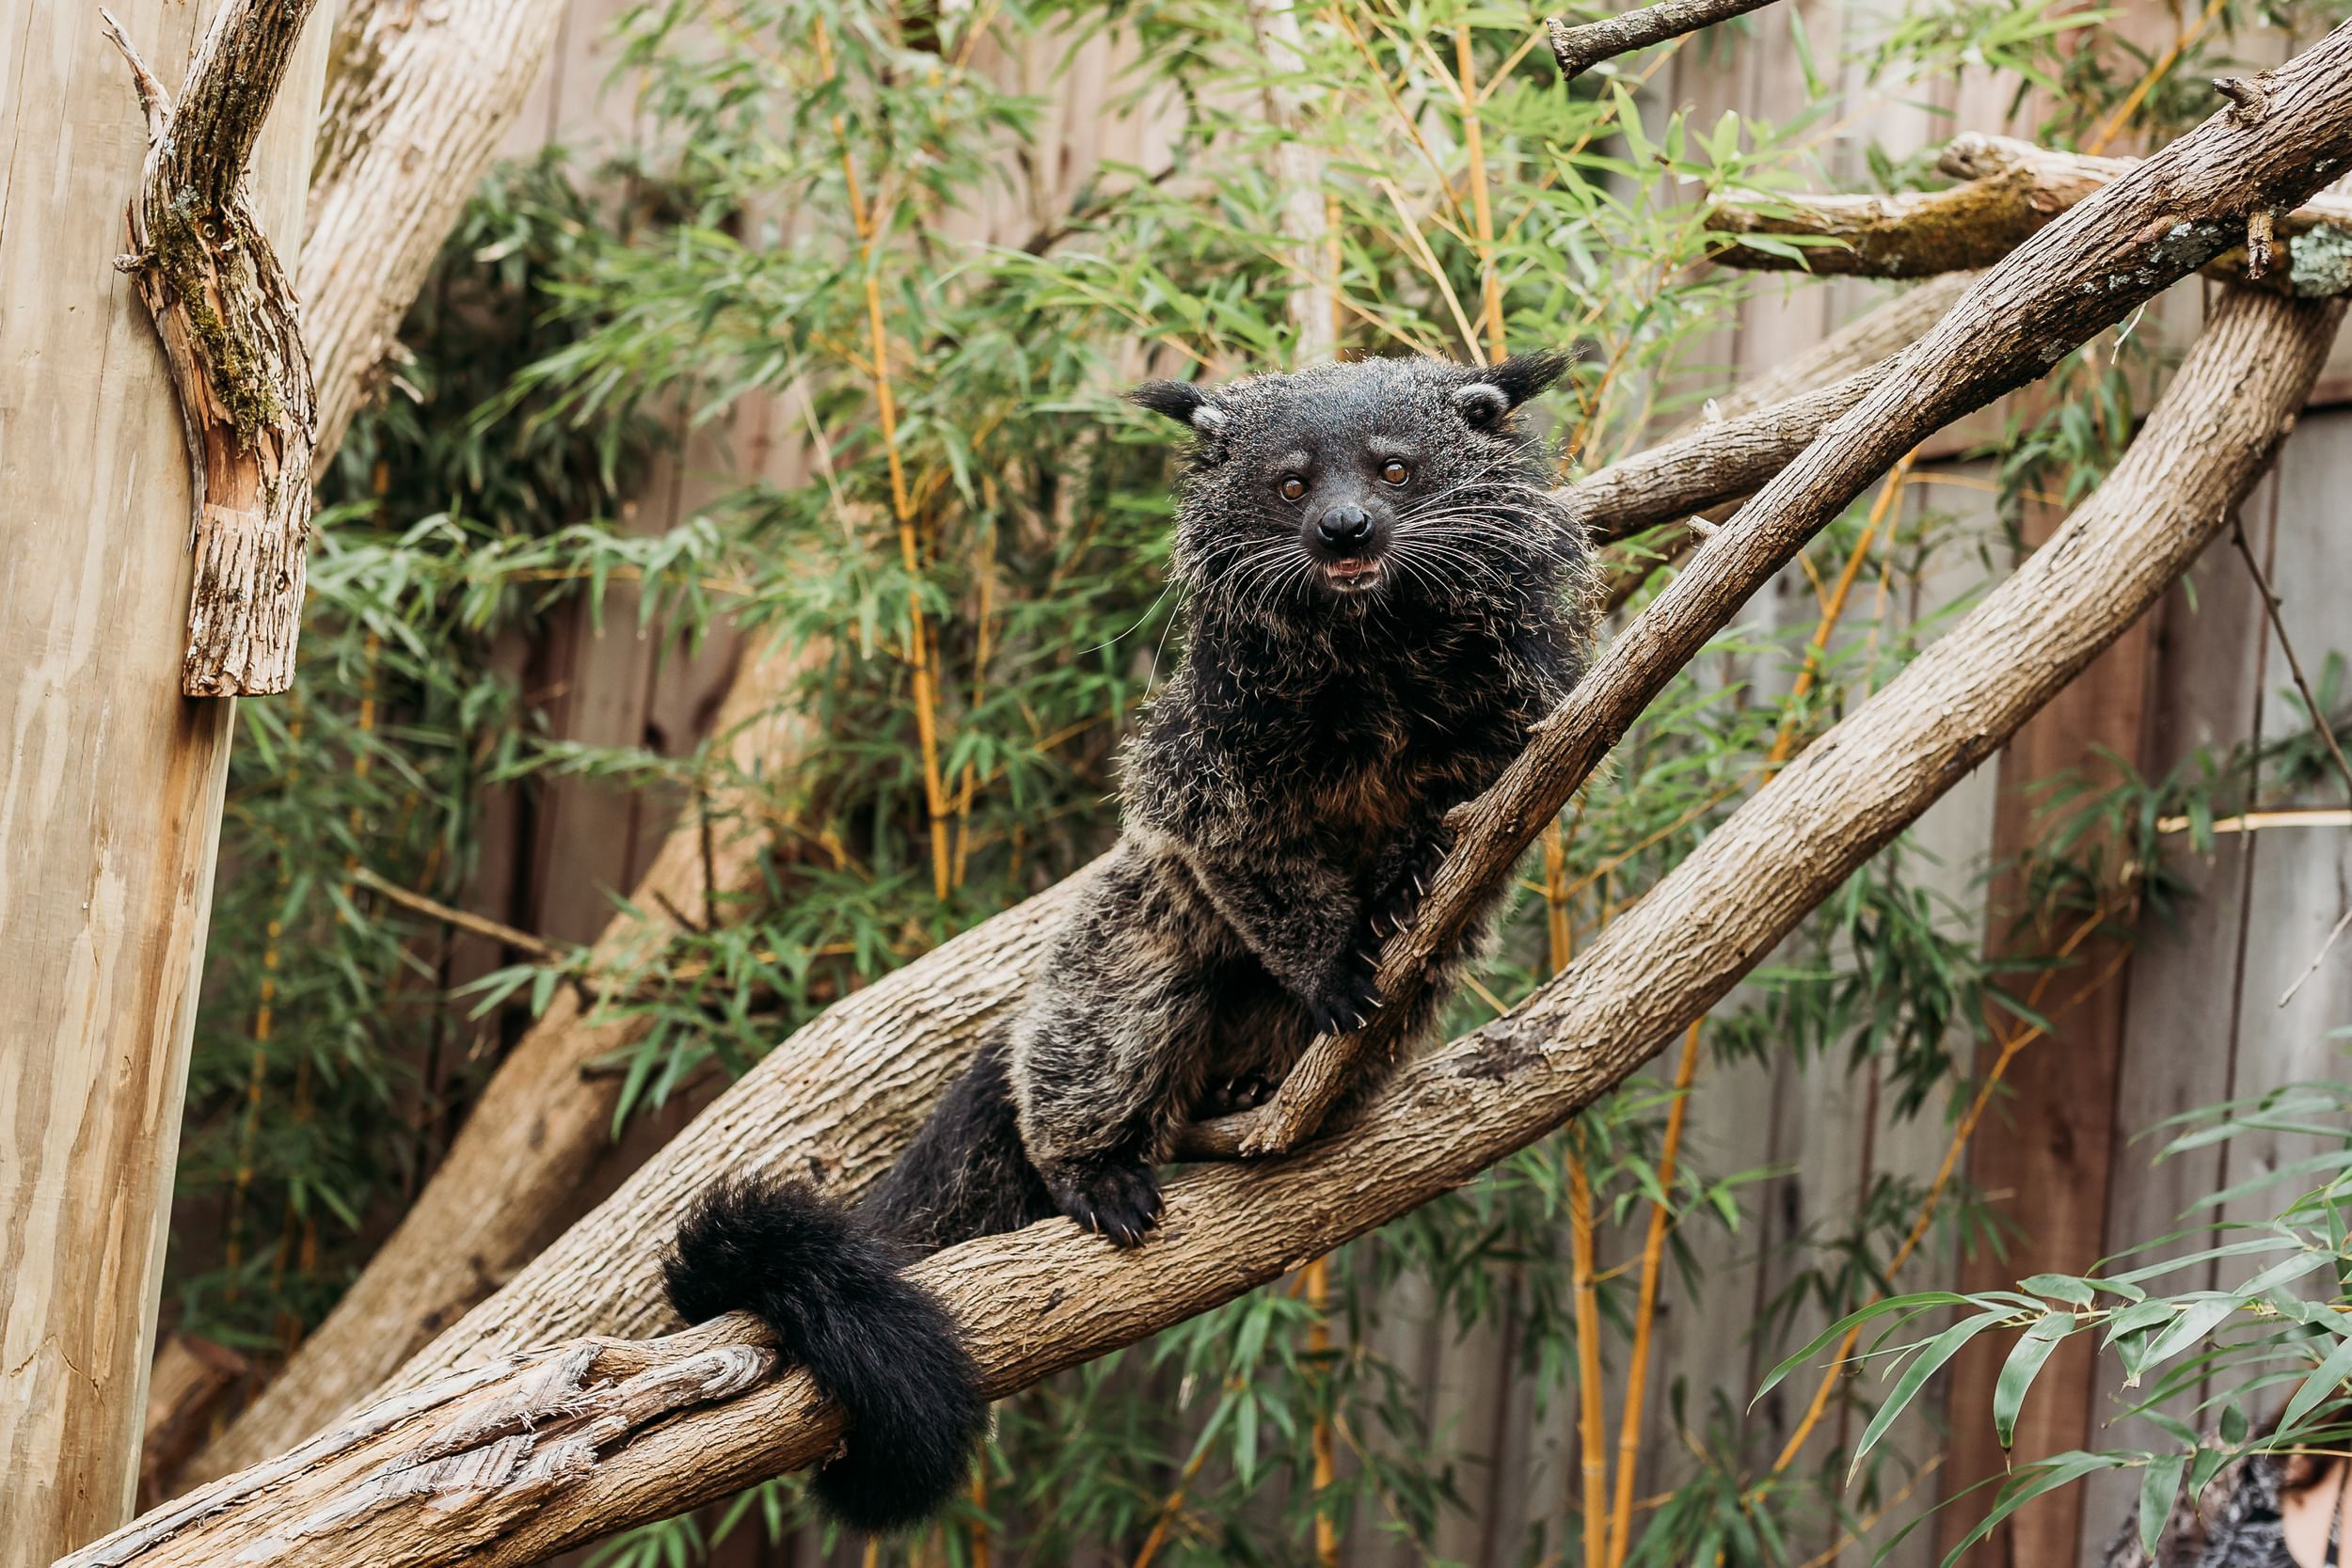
column 511, row 1461
column 2011, row 190
column 2123, row 245
column 225, row 311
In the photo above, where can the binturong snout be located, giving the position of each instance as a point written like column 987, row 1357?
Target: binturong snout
column 1345, row 528
column 1346, row 538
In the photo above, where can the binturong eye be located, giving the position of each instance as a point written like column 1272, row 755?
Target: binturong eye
column 1293, row 487
column 1394, row 472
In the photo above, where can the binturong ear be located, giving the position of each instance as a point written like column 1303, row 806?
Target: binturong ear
column 1182, row 402
column 1492, row 392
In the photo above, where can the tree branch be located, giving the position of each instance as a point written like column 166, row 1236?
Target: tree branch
column 1579, row 48
column 873, row 1063
column 225, row 311
column 417, row 102
column 2116, row 248
column 2013, row 190
column 509, row 1463
column 1755, row 433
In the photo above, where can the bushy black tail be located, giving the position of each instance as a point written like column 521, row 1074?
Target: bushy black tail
column 884, row 1351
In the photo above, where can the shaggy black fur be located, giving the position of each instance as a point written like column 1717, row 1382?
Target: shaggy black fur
column 1383, row 595
column 830, row 1290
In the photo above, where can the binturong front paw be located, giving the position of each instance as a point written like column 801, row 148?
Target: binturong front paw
column 1118, row 1198
column 1351, row 1000
column 1397, row 905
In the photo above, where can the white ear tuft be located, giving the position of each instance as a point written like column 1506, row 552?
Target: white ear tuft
column 1208, row 419
column 1481, row 403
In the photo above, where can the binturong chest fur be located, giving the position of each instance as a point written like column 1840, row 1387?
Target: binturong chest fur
column 1382, row 595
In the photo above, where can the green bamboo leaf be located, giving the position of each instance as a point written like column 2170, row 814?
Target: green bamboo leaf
column 2157, row 1491
column 2025, row 1361
column 1909, row 1306
column 1923, row 1366
column 2330, row 1376
column 2199, row 1320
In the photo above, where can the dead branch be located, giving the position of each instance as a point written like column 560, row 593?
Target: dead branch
column 2117, row 247
column 225, row 311
column 511, row 1461
column 1579, row 48
column 2011, row 190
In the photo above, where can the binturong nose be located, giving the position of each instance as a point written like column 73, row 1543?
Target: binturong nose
column 1345, row 527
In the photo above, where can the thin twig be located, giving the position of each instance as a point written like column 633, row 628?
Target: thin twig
column 2286, row 645
column 480, row 924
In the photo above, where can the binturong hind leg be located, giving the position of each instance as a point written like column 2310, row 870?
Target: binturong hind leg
column 1108, row 1062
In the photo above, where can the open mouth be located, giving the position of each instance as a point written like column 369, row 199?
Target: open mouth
column 1352, row 576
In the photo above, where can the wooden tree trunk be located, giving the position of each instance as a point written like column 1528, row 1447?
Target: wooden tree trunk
column 110, row 800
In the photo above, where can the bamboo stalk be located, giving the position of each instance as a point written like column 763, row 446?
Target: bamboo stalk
column 866, row 222
column 1482, row 210
column 1594, row 1461
column 1646, row 1304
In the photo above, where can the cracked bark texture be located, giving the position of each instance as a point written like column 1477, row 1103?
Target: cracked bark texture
column 515, row 1458
column 223, row 308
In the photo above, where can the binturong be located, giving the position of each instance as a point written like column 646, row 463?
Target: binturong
column 1383, row 593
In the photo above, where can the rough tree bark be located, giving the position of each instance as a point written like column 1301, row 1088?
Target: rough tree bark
column 110, row 803
column 224, row 309
column 2013, row 190
column 2119, row 248
column 541, row 1121
column 508, row 1462
column 1577, row 50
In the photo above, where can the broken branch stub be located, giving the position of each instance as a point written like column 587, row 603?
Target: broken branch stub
column 225, row 311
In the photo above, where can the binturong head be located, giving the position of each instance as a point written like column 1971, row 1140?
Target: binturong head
column 1403, row 483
